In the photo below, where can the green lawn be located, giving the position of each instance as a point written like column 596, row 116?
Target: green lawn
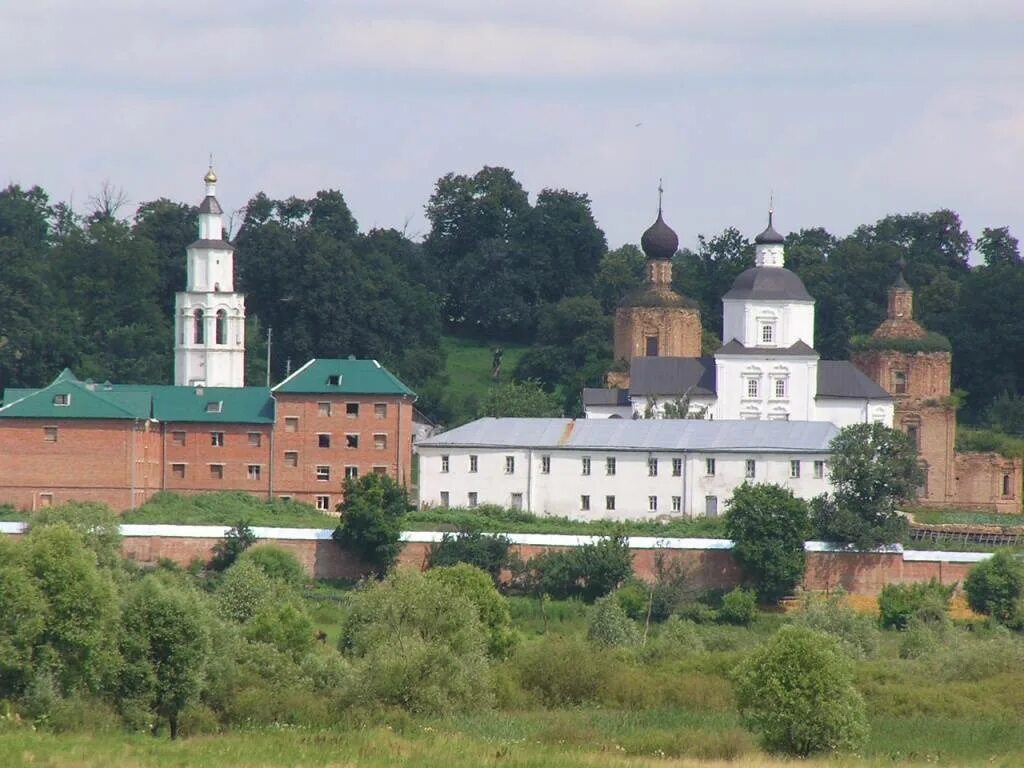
column 228, row 509
column 468, row 366
column 961, row 517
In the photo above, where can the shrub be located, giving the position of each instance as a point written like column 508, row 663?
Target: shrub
column 371, row 516
column 243, row 591
column 588, row 572
column 285, row 625
column 797, row 692
column 899, row 603
column 633, row 598
column 918, row 640
column 609, row 625
column 277, row 563
column 488, row 552
column 671, row 590
column 677, row 638
column 562, row 671
column 768, row 526
column 856, row 633
column 738, row 607
column 238, row 539
column 97, row 524
column 476, row 586
column 995, row 587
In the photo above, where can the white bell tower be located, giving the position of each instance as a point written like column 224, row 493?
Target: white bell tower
column 209, row 317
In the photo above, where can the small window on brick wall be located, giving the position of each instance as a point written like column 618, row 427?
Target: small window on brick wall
column 351, row 410
column 380, row 441
column 323, row 472
column 899, row 382
column 323, row 503
column 323, row 440
column 291, row 458
column 352, row 441
column 253, row 471
column 291, row 423
column 255, row 439
column 49, row 434
column 217, row 439
column 351, row 472
column 216, row 471
column 178, row 471
column 177, row 438
column 380, row 410
column 323, row 409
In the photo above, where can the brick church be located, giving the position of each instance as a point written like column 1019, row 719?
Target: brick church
column 768, row 368
column 121, row 443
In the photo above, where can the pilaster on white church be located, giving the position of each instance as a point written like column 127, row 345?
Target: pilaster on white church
column 209, row 317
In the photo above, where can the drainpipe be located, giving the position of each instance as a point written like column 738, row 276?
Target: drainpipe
column 163, row 456
column 135, row 429
column 270, row 462
column 529, row 481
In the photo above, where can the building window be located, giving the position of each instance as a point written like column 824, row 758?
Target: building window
column 677, row 467
column 217, row 471
column 510, row 465
column 215, row 406
column 585, row 465
column 351, row 410
column 62, row 400
column 709, row 467
column 45, row 500
column 585, row 503
column 291, row 458
column 767, row 333
column 445, row 464
column 652, row 467
column 545, row 465
column 1006, row 486
column 677, row 503
column 323, row 503
column 471, row 498
column 445, row 497
column 178, row 471
column 380, row 441
column 323, row 472
column 819, row 470
column 177, row 438
column 380, row 410
column 652, row 503
column 379, row 470
column 794, row 470
column 199, row 327
column 253, row 472
column 217, row 439
column 913, row 437
column 323, row 440
column 711, row 506
column 255, row 439
column 609, row 503
column 352, row 440
column 285, row 498
column 473, row 464
column 334, row 380
column 221, row 327
column 651, row 346
column 323, row 409
column 752, row 387
column 291, row 424
column 899, row 381
column 751, row 469
column 351, row 472
column 517, row 502
column 49, row 434
column 780, row 388
column 609, row 465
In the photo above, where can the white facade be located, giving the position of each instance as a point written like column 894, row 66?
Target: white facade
column 209, row 317
column 764, row 324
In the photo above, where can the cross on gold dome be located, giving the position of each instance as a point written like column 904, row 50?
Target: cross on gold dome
column 210, row 177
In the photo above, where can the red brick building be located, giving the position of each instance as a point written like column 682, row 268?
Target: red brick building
column 120, row 444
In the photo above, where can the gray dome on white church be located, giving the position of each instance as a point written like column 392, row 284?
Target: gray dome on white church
column 769, row 283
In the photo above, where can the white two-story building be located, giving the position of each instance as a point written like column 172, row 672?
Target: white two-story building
column 623, row 469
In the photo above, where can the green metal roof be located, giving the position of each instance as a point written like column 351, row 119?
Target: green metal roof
column 86, row 400
column 347, row 377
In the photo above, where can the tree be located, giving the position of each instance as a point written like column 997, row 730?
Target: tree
column 227, row 550
column 371, row 520
column 165, row 646
column 768, row 525
column 492, row 608
column 588, row 572
column 276, row 562
column 609, row 625
column 620, row 272
column 797, row 692
column 995, row 587
column 488, row 552
column 901, row 604
column 22, row 617
column 525, row 398
column 97, row 524
column 872, row 469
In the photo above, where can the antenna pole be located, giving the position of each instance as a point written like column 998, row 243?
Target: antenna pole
column 270, row 334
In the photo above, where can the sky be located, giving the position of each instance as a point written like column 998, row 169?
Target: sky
column 845, row 111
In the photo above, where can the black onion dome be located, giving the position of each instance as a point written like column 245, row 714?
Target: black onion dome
column 769, row 236
column 768, row 283
column 660, row 241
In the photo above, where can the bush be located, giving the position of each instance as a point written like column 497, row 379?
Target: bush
column 97, row 524
column 609, row 625
column 899, row 603
column 677, row 638
column 633, row 598
column 243, row 591
column 588, row 572
column 918, row 640
column 277, row 563
column 671, row 590
column 488, row 552
column 562, row 671
column 856, row 633
column 371, row 520
column 283, row 624
column 797, row 692
column 476, row 586
column 995, row 587
column 738, row 607
column 238, row 539
column 768, row 526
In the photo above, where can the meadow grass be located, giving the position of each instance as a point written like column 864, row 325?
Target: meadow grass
column 468, row 365
column 228, row 509
column 963, row 517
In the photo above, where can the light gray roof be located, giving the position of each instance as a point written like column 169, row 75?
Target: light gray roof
column 841, row 378
column 601, row 396
column 680, row 435
column 677, row 375
column 800, row 349
column 768, row 283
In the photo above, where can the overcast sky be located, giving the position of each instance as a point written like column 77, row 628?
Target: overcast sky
column 848, row 110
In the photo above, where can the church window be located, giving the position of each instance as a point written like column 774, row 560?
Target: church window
column 199, row 331
column 913, row 436
column 780, row 387
column 767, row 333
column 752, row 387
column 1006, row 486
column 222, row 327
column 651, row 346
column 899, row 380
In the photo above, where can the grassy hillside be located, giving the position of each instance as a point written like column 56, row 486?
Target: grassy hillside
column 468, row 366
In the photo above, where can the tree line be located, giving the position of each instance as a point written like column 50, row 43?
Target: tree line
column 94, row 290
